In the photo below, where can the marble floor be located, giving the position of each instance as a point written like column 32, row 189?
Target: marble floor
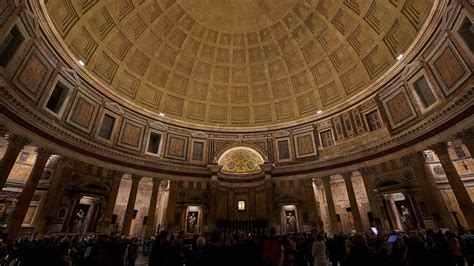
column 142, row 261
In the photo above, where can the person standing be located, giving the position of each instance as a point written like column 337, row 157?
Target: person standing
column 319, row 251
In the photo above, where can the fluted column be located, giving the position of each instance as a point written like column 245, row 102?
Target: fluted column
column 353, row 201
column 467, row 138
column 212, row 219
column 310, row 200
column 331, row 207
column 27, row 193
column 50, row 206
column 367, row 174
column 150, row 223
column 15, row 145
column 127, row 222
column 267, row 168
column 171, row 206
column 457, row 185
column 109, row 209
column 433, row 198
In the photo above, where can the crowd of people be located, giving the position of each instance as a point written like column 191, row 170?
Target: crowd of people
column 239, row 248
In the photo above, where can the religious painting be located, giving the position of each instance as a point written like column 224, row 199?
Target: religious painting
column 290, row 218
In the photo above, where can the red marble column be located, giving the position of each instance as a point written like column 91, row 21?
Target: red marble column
column 127, row 222
column 331, row 207
column 27, row 193
column 457, row 185
column 150, row 223
column 353, row 202
column 15, row 145
column 109, row 208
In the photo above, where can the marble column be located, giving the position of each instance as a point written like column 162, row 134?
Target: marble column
column 231, row 206
column 457, row 185
column 15, row 145
column 269, row 202
column 368, row 173
column 27, row 193
column 353, row 202
column 127, row 222
column 171, row 206
column 150, row 223
column 214, row 168
column 310, row 201
column 212, row 219
column 52, row 202
column 433, row 198
column 251, row 205
column 267, row 168
column 467, row 138
column 331, row 207
column 109, row 208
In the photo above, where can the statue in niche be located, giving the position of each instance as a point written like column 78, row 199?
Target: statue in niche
column 406, row 218
column 77, row 224
column 290, row 222
column 192, row 221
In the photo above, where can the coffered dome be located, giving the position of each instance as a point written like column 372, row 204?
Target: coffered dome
column 237, row 63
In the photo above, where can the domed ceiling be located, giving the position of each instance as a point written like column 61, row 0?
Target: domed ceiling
column 237, row 63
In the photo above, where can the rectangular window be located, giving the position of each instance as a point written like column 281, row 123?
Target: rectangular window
column 466, row 31
column 23, row 157
column 459, row 151
column 291, row 184
column 373, row 120
column 424, row 92
column 283, row 149
column 198, row 148
column 10, row 45
column 154, row 143
column 327, row 139
column 241, row 205
column 107, row 127
column 57, row 98
column 282, row 184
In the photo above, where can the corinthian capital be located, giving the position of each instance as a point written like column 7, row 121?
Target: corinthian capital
column 3, row 130
column 43, row 153
column 440, row 147
column 17, row 141
column 347, row 175
column 467, row 135
column 367, row 171
column 412, row 158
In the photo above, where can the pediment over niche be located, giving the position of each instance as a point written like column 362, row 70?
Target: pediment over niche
column 114, row 107
column 200, row 135
column 158, row 125
column 285, row 198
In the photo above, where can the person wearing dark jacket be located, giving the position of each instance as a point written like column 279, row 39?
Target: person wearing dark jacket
column 159, row 250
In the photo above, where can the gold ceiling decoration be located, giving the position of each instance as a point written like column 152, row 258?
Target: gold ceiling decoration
column 237, row 63
column 240, row 160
